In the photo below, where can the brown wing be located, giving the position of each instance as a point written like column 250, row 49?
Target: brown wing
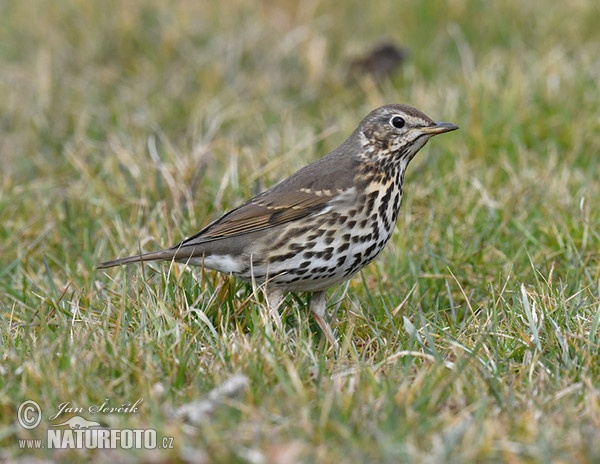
column 262, row 212
column 306, row 192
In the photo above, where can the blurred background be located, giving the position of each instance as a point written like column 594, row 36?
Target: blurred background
column 129, row 125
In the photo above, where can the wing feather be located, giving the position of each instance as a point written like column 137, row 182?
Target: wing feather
column 299, row 196
column 263, row 212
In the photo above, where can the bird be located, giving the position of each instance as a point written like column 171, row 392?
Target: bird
column 320, row 226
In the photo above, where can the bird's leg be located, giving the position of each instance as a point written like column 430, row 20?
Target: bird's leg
column 274, row 299
column 317, row 307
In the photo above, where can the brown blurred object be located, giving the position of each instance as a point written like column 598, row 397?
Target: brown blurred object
column 380, row 63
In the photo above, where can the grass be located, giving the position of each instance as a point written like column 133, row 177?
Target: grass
column 473, row 338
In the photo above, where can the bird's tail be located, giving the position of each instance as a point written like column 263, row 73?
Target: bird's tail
column 152, row 256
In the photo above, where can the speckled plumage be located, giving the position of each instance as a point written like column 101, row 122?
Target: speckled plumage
column 322, row 224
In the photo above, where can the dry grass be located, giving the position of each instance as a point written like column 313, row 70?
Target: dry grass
column 474, row 337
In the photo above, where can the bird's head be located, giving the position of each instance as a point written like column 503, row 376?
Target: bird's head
column 395, row 133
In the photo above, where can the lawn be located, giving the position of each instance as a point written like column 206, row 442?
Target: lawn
column 129, row 125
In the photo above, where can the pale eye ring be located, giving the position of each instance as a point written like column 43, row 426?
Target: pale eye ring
column 397, row 121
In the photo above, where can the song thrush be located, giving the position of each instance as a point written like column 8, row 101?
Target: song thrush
column 322, row 224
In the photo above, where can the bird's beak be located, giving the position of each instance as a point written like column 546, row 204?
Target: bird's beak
column 439, row 128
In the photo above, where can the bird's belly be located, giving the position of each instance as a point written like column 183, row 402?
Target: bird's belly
column 309, row 263
column 328, row 249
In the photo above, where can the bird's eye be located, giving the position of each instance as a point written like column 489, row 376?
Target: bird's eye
column 398, row 122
